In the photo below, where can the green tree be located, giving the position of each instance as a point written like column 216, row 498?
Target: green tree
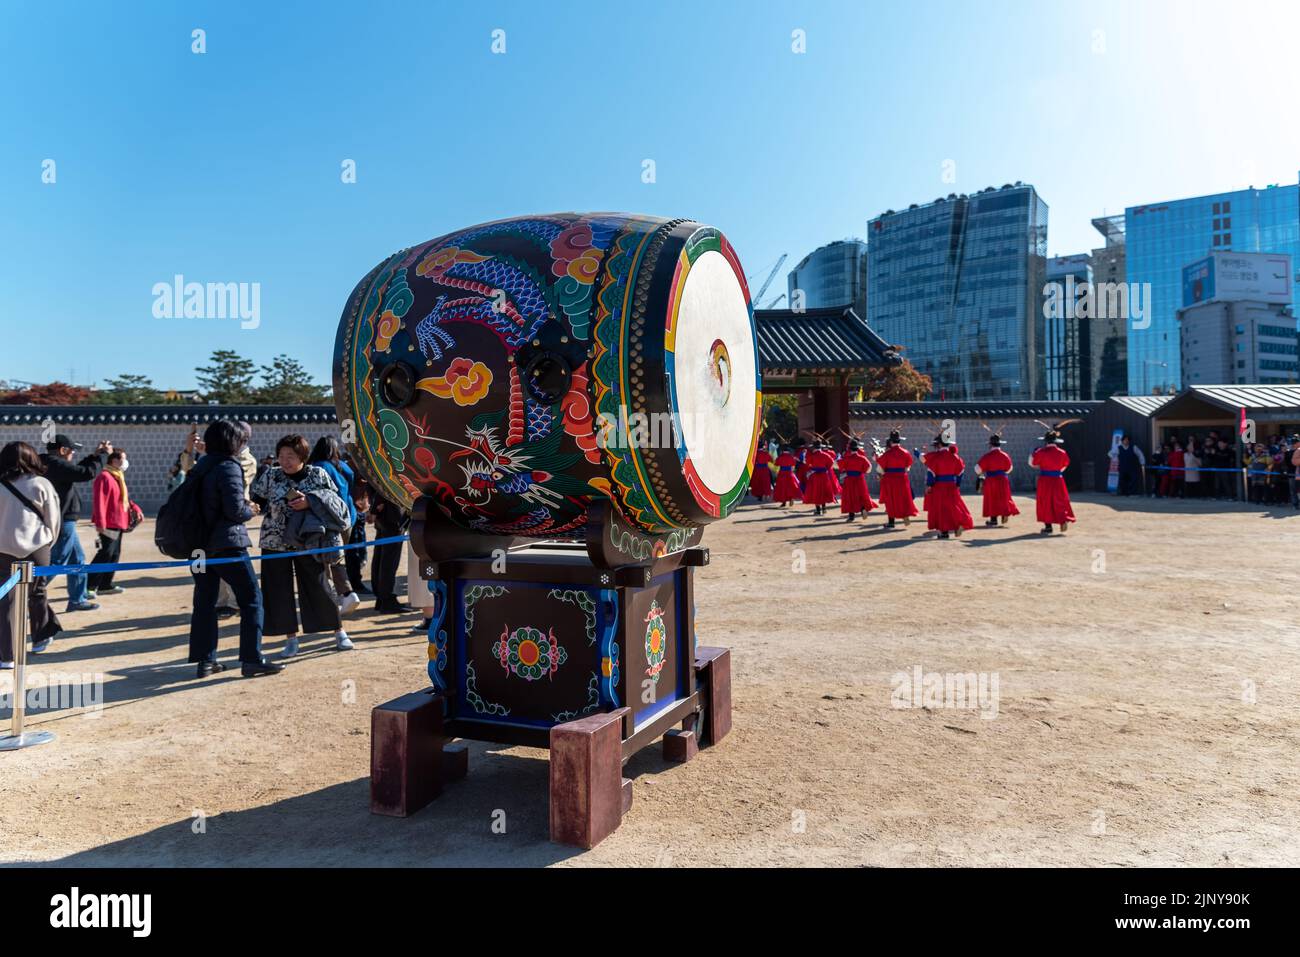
column 286, row 382
column 229, row 379
column 780, row 417
column 128, row 390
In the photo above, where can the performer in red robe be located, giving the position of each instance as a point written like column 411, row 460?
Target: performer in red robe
column 995, row 466
column 819, row 492
column 855, row 496
column 787, row 486
column 946, row 511
column 760, row 483
column 895, row 483
column 801, row 469
column 1053, row 498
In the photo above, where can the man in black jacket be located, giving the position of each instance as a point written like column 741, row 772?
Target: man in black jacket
column 65, row 477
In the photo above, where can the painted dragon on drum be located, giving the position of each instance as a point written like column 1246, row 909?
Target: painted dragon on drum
column 481, row 370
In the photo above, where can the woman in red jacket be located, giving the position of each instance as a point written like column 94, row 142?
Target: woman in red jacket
column 855, row 496
column 895, row 481
column 819, row 490
column 1053, row 497
column 787, row 486
column 946, row 510
column 111, row 512
column 995, row 466
column 760, row 483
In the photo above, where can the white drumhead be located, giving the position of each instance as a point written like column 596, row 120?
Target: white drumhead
column 715, row 372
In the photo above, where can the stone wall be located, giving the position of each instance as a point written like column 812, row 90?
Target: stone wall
column 152, row 443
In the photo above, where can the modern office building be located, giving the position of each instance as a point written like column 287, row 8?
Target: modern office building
column 1109, row 350
column 1237, row 325
column 958, row 283
column 1067, row 339
column 831, row 276
column 1162, row 238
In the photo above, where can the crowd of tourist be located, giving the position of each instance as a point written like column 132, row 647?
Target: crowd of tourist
column 1212, row 467
column 308, row 496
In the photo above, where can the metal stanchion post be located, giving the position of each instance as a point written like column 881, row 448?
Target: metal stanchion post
column 17, row 738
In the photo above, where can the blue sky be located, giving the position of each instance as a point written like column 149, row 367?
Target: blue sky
column 225, row 166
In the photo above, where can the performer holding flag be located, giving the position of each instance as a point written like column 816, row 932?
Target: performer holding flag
column 1053, row 498
column 895, row 483
column 855, row 496
column 819, row 491
column 946, row 510
column 787, row 486
column 995, row 466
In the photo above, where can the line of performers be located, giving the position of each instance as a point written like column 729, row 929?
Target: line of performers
column 814, row 476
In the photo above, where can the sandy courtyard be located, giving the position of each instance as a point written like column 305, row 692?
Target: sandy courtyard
column 1147, row 668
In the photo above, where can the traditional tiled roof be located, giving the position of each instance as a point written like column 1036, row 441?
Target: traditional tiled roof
column 149, row 414
column 833, row 340
column 993, row 408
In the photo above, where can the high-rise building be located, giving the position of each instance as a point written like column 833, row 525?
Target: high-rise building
column 958, row 283
column 1067, row 340
column 1162, row 238
column 1109, row 351
column 1236, row 325
column 830, row 276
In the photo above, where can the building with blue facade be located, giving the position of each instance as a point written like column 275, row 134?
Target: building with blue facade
column 831, row 276
column 959, row 284
column 1162, row 238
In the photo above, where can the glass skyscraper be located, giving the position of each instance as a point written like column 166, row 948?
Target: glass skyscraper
column 833, row 275
column 959, row 284
column 1162, row 238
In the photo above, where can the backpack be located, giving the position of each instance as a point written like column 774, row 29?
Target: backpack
column 180, row 529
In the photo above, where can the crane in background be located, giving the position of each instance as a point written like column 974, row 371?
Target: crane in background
column 767, row 282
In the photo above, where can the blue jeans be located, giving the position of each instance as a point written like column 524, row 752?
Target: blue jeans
column 203, row 620
column 67, row 551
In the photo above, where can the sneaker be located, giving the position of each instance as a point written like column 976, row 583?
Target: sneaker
column 91, row 594
column 6, row 666
column 81, row 606
column 290, row 648
column 112, row 590
column 341, row 640
column 40, row 646
column 348, row 602
column 421, row 627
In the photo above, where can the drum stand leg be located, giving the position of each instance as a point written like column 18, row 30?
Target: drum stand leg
column 410, row 757
column 589, row 794
column 713, row 681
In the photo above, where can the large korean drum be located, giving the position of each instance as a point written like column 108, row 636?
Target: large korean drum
column 517, row 371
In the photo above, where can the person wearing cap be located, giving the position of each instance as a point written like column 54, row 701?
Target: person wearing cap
column 65, row 476
column 995, row 467
column 1053, row 497
column 895, row 483
column 760, row 482
column 855, row 496
column 819, row 491
column 945, row 509
column 787, row 486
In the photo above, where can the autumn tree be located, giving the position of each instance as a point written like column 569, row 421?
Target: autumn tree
column 53, row 393
column 900, row 383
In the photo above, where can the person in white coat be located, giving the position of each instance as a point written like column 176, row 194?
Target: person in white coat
column 29, row 524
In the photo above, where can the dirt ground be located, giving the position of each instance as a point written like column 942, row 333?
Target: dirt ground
column 1147, row 668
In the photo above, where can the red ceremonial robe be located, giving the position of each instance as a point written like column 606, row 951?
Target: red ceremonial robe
column 801, row 469
column 760, row 483
column 1053, row 498
column 855, row 497
column 997, row 488
column 819, row 490
column 946, row 510
column 787, row 486
column 895, row 483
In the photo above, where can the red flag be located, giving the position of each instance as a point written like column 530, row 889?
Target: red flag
column 1241, row 426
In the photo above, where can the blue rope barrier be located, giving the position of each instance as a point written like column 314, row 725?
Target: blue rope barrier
column 1202, row 468
column 8, row 586
column 52, row 571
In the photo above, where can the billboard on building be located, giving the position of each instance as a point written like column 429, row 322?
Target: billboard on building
column 1233, row 277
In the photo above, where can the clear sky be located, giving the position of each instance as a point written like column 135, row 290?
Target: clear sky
column 225, row 166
